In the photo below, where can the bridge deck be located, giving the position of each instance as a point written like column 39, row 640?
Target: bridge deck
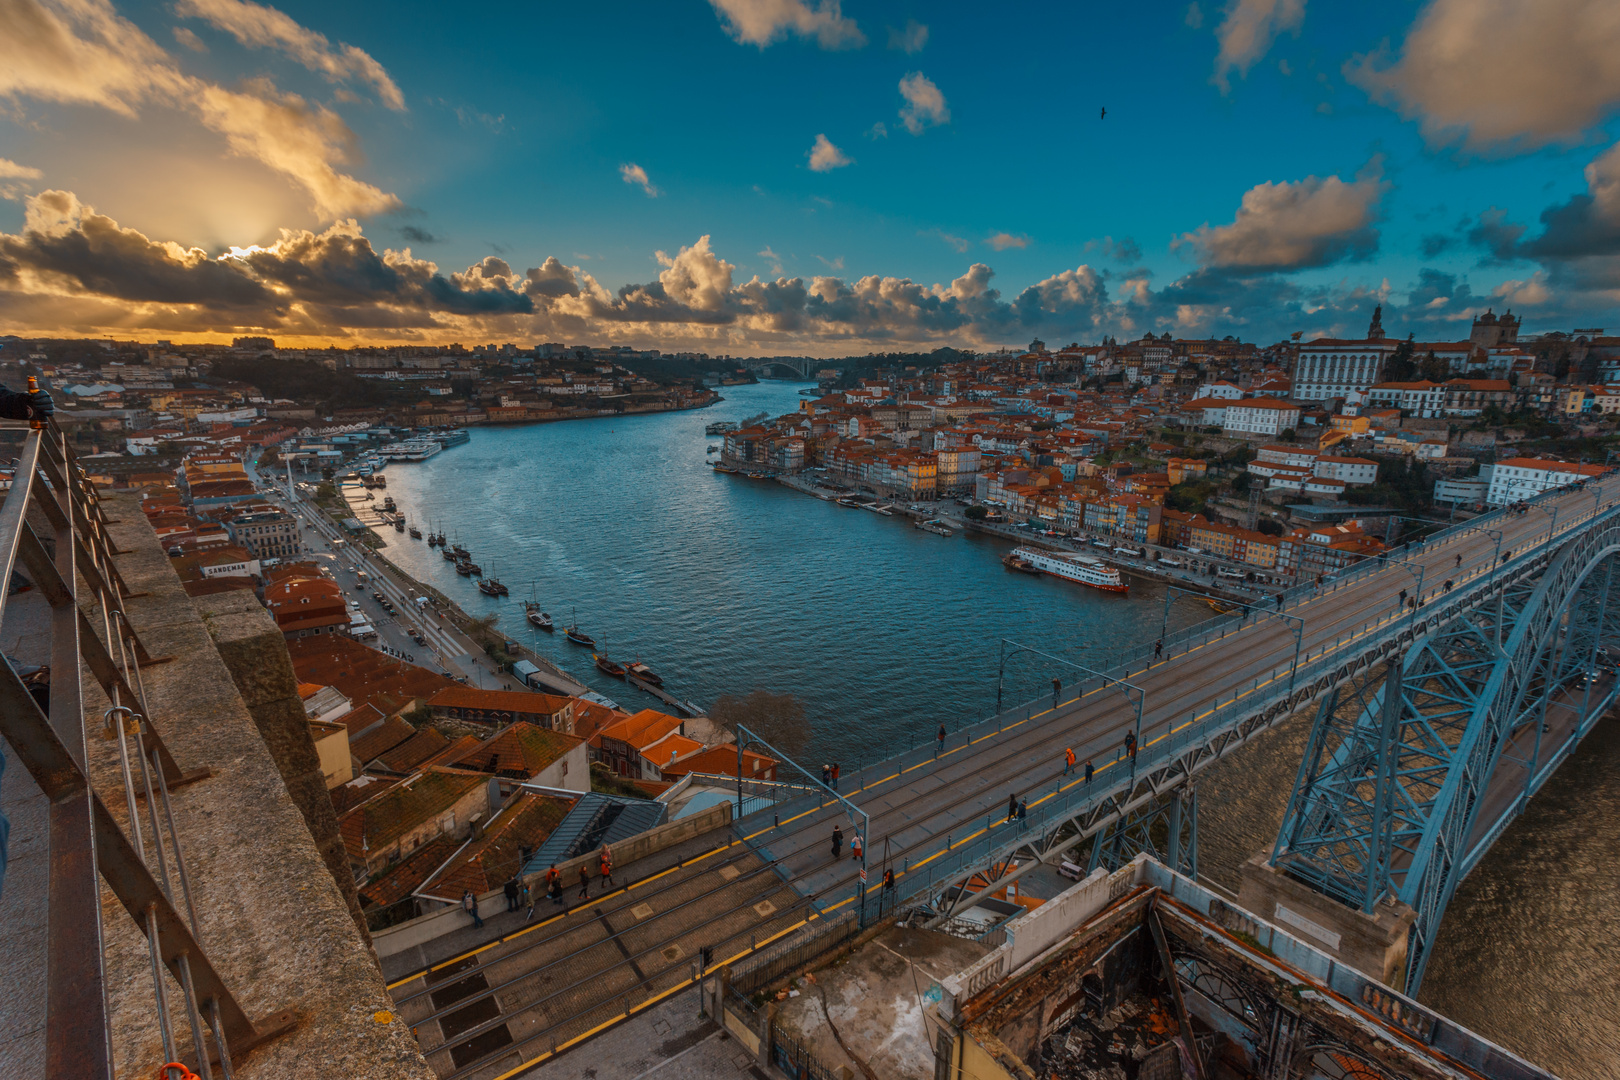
column 925, row 807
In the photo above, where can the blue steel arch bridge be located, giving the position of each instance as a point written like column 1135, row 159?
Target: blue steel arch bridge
column 1449, row 679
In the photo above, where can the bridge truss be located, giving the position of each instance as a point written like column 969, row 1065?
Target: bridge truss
column 1477, row 666
column 1403, row 788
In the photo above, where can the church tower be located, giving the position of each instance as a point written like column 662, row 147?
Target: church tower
column 1375, row 329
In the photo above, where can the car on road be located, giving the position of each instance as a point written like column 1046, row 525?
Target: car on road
column 418, row 638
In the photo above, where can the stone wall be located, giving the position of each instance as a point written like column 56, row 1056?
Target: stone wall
column 255, row 653
column 272, row 919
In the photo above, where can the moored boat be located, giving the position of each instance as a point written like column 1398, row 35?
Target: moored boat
column 723, row 468
column 416, row 534
column 450, row 556
column 473, row 568
column 464, row 569
column 1080, row 569
column 578, row 636
column 645, row 673
column 536, row 617
column 1012, row 562
column 935, row 526
column 399, row 524
column 608, row 667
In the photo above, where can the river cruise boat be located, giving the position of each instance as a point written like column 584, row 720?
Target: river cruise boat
column 411, row 450
column 723, row 468
column 935, row 526
column 1080, row 569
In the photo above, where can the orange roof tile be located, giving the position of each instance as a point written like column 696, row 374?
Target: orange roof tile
column 491, row 860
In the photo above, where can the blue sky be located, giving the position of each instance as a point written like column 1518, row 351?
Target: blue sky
column 1355, row 154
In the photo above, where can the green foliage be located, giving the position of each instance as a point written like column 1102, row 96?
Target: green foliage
column 1241, row 483
column 1288, row 435
column 976, row 513
column 777, row 718
column 1190, row 496
column 608, row 782
column 1269, row 526
column 1402, row 483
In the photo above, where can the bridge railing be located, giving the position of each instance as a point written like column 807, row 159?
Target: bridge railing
column 1165, row 742
column 1184, row 640
column 52, row 526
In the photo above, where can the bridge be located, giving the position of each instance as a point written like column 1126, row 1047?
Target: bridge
column 1449, row 678
column 802, row 366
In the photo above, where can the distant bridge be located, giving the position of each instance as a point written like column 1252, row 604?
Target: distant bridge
column 802, row 366
column 1434, row 725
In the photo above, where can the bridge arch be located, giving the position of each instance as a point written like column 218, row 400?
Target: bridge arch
column 1403, row 796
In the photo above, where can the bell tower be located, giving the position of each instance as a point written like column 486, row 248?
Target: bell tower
column 1375, row 329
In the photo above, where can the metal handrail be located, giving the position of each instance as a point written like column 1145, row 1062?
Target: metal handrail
column 86, row 841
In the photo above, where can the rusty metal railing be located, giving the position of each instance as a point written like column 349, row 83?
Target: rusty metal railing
column 53, row 528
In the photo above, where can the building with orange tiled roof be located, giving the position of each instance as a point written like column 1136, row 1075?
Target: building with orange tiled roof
column 529, row 753
column 722, row 761
column 397, row 882
column 364, row 676
column 492, row 859
column 380, row 738
column 502, row 707
column 437, row 802
column 618, row 746
column 410, row 755
column 303, row 608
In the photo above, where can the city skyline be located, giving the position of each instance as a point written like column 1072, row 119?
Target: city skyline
column 779, row 176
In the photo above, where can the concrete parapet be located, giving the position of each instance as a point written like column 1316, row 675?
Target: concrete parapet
column 1374, row 944
column 255, row 652
column 272, row 919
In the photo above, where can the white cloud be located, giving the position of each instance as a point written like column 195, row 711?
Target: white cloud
column 631, row 173
column 11, row 170
column 825, row 157
column 1602, row 179
column 1247, row 32
column 925, row 105
column 190, row 40
column 960, row 243
column 832, row 264
column 879, row 130
column 11, row 175
column 911, row 40
column 258, row 26
column 762, row 22
column 1292, row 225
column 83, row 52
column 773, row 259
column 1001, row 241
column 1559, row 77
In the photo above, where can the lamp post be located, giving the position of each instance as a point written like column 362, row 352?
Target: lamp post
column 1245, row 609
column 1107, row 680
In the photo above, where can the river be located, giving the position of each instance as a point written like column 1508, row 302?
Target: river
column 726, row 585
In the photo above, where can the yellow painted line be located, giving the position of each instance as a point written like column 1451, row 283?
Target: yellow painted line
column 560, row 916
column 655, row 999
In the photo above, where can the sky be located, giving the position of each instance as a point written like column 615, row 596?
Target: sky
column 761, row 177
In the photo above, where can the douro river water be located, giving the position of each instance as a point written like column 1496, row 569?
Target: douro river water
column 725, row 585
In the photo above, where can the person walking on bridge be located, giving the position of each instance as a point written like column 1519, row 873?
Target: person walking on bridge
column 1023, row 810
column 1089, row 771
column 941, row 749
column 554, row 885
column 584, row 882
column 835, row 776
column 1402, row 601
column 826, row 776
column 855, row 847
column 1012, row 806
column 1068, row 760
column 1057, row 687
column 1158, row 648
column 1459, row 560
column 1130, row 746
column 605, row 861
column 838, row 840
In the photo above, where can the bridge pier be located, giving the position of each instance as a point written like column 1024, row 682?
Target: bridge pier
column 1374, row 944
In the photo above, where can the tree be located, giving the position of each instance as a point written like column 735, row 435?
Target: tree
column 976, row 513
column 1269, row 526
column 777, row 718
column 1399, row 366
column 1288, row 435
